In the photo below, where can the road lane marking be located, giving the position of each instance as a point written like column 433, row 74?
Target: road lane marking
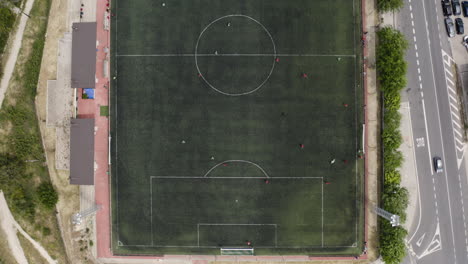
column 440, row 128
column 427, row 136
column 417, row 176
column 418, row 243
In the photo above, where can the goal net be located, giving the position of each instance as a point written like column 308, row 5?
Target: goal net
column 237, row 251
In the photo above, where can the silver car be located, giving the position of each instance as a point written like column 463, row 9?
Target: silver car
column 438, row 166
column 450, row 27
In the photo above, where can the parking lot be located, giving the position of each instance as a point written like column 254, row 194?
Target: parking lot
column 459, row 52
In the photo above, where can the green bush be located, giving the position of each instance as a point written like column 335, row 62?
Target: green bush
column 47, row 195
column 389, row 5
column 392, row 247
column 391, row 69
column 22, row 202
column 392, row 177
column 7, row 20
column 45, row 231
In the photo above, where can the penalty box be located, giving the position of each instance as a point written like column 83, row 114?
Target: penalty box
column 226, row 212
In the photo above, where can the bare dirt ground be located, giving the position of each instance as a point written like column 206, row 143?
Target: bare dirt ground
column 6, row 255
column 31, row 254
column 76, row 241
column 8, row 225
column 14, row 50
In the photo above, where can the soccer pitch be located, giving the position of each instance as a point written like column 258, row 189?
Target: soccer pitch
column 236, row 124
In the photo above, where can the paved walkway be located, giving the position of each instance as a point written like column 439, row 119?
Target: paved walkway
column 8, row 226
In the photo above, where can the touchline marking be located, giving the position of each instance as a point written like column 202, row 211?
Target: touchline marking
column 322, row 213
column 234, row 177
column 236, row 55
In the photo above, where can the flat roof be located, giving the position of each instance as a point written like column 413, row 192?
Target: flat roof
column 83, row 66
column 82, row 151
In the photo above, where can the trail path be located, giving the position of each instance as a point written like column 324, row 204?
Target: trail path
column 15, row 48
column 9, row 225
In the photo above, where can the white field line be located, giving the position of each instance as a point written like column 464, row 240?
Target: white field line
column 236, row 55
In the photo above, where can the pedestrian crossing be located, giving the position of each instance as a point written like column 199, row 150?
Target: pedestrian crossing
column 454, row 104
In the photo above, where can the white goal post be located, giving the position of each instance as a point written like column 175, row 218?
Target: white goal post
column 237, row 251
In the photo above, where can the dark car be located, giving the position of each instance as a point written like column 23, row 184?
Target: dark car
column 456, row 7
column 438, row 166
column 459, row 26
column 465, row 8
column 450, row 27
column 446, row 8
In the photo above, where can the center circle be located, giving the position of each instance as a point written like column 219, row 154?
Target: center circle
column 233, row 55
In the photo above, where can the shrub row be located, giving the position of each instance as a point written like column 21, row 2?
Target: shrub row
column 391, row 69
column 7, row 20
column 13, row 177
column 389, row 5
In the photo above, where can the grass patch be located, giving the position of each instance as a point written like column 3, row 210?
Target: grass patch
column 32, row 255
column 104, row 110
column 5, row 252
column 21, row 183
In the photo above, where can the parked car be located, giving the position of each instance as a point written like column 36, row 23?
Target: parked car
column 456, row 7
column 450, row 27
column 465, row 8
column 459, row 26
column 446, row 8
column 438, row 166
column 465, row 42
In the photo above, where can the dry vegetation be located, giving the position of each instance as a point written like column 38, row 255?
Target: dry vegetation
column 22, row 138
column 5, row 253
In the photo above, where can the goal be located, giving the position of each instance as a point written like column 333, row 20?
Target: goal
column 237, row 251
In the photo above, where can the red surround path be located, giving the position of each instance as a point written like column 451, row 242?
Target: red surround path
column 90, row 109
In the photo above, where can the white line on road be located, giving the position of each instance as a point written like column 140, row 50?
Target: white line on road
column 427, row 136
column 440, row 130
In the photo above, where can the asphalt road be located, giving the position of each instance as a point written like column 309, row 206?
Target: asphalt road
column 439, row 233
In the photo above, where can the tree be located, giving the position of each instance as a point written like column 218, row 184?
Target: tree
column 47, row 195
column 392, row 244
column 11, row 168
column 389, row 5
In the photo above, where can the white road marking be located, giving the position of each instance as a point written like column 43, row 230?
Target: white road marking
column 434, row 246
column 427, row 136
column 418, row 243
column 417, row 177
column 440, row 125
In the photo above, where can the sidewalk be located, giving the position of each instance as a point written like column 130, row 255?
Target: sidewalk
column 408, row 169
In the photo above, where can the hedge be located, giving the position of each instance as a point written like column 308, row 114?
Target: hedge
column 391, row 70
